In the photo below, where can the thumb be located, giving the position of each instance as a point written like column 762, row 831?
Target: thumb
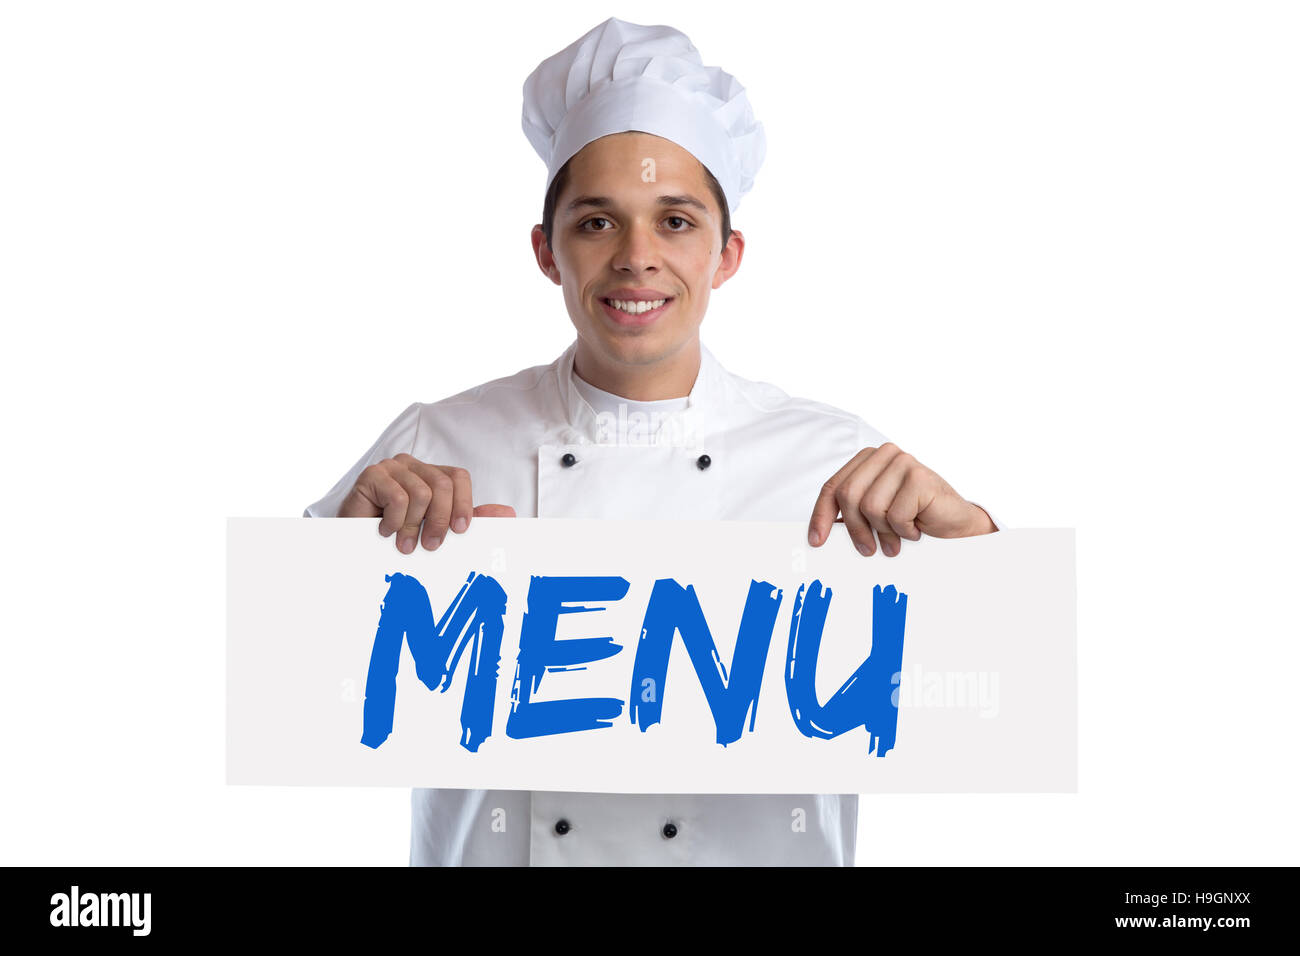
column 494, row 511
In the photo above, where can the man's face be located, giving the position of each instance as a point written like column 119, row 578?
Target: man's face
column 621, row 235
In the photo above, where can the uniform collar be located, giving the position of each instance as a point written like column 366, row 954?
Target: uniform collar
column 684, row 427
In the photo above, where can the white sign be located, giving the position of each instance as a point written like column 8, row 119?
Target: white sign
column 649, row 657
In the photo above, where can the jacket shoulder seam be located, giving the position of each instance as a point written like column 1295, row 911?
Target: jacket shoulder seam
column 471, row 395
column 781, row 400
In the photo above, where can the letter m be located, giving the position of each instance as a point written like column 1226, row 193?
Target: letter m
column 475, row 620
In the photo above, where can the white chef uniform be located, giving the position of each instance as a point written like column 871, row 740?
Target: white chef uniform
column 767, row 457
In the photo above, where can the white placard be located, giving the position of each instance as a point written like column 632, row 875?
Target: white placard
column 326, row 626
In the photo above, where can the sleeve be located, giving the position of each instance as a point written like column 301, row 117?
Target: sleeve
column 868, row 437
column 398, row 437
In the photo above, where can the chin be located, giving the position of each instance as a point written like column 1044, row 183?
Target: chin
column 636, row 351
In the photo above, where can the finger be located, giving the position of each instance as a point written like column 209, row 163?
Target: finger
column 494, row 511
column 436, row 515
column 859, row 529
column 421, row 490
column 882, row 497
column 462, row 498
column 363, row 500
column 380, row 486
column 826, row 507
column 908, row 504
column 855, row 488
column 889, row 543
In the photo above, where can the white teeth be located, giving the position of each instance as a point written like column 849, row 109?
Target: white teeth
column 635, row 308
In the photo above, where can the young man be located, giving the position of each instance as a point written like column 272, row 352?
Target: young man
column 647, row 154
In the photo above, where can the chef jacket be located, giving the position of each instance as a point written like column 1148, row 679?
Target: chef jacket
column 733, row 449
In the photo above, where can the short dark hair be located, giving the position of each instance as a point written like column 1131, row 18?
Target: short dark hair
column 562, row 178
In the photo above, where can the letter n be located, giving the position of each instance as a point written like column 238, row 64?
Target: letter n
column 673, row 610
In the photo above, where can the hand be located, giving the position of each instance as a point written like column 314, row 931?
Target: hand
column 408, row 492
column 887, row 491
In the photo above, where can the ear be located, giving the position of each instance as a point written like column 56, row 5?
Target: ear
column 732, row 253
column 545, row 258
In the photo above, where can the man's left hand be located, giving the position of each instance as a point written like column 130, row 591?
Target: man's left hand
column 886, row 491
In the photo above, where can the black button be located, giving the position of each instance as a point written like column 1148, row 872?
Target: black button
column 704, row 461
column 562, row 827
column 568, row 461
column 670, row 830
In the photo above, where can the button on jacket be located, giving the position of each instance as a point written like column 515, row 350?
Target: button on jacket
column 735, row 450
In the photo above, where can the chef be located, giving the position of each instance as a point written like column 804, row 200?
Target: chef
column 648, row 152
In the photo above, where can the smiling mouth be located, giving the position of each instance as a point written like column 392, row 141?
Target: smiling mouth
column 636, row 313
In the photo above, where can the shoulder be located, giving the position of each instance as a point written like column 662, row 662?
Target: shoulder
column 522, row 384
column 771, row 406
column 515, row 398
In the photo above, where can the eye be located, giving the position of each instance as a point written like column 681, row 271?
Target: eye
column 682, row 219
column 584, row 225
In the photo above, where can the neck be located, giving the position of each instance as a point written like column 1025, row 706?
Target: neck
column 672, row 377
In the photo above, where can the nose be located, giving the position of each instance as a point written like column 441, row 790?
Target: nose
column 638, row 249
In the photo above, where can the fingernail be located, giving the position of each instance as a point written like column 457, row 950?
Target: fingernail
column 890, row 549
column 864, row 549
column 406, row 545
column 460, row 524
column 814, row 538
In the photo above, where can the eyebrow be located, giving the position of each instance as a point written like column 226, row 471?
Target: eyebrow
column 604, row 202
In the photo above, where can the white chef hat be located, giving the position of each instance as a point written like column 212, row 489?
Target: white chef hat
column 624, row 76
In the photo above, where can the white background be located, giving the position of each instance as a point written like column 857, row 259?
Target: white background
column 1048, row 248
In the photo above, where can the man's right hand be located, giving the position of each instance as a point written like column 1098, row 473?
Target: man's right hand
column 407, row 492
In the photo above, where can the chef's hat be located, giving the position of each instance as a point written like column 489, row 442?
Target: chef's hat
column 624, row 76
